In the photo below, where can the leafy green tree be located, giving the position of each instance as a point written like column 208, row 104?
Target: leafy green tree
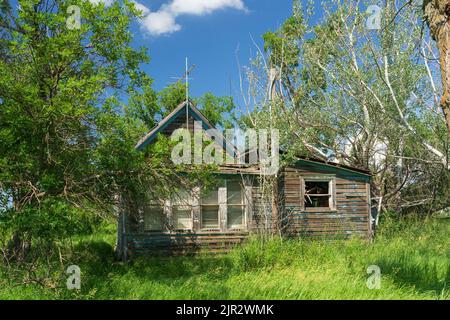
column 66, row 137
column 144, row 106
column 348, row 94
column 59, row 89
column 171, row 96
column 218, row 110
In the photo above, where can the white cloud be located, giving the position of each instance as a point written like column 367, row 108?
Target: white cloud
column 200, row 7
column 163, row 21
column 160, row 22
column 106, row 2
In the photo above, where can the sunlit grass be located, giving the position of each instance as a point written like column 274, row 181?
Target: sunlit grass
column 414, row 258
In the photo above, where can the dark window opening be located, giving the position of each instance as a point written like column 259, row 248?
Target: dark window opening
column 317, row 194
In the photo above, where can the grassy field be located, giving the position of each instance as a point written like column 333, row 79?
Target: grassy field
column 414, row 259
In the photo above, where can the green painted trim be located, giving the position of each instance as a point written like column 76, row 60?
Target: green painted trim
column 310, row 165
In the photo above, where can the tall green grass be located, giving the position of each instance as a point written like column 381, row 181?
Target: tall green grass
column 414, row 258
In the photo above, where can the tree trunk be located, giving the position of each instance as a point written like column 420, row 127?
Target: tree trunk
column 437, row 15
column 18, row 248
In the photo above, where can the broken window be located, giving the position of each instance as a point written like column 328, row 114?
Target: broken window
column 319, row 194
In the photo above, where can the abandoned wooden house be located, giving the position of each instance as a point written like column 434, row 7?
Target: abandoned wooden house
column 309, row 198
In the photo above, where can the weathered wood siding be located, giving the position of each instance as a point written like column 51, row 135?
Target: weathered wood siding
column 350, row 217
column 177, row 123
column 138, row 241
column 183, row 242
column 261, row 215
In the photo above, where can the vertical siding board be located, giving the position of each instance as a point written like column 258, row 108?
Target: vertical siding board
column 223, row 208
column 302, row 193
column 168, row 214
column 248, row 201
column 196, row 209
column 369, row 211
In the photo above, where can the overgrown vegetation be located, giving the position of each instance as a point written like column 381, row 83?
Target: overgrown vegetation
column 67, row 136
column 74, row 102
column 414, row 258
column 340, row 91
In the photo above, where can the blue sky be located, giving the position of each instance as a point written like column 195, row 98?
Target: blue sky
column 210, row 39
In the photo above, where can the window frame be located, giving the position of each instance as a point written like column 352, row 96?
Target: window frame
column 189, row 204
column 192, row 201
column 241, row 205
column 223, row 205
column 148, row 211
column 331, row 180
column 175, row 221
column 201, row 204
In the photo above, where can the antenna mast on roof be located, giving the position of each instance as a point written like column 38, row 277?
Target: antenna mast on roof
column 187, row 95
column 185, row 77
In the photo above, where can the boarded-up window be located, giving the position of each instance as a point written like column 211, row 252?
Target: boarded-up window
column 235, row 205
column 210, row 210
column 319, row 193
column 182, row 210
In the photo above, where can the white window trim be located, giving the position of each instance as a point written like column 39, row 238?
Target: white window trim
column 331, row 179
column 171, row 205
column 163, row 227
column 195, row 205
column 223, row 210
column 174, row 226
column 243, row 205
column 219, row 217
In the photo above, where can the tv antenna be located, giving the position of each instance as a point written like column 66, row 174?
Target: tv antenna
column 186, row 79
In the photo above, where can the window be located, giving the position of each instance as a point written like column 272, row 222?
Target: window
column 182, row 210
column 319, row 193
column 235, row 205
column 210, row 210
column 154, row 218
column 182, row 217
